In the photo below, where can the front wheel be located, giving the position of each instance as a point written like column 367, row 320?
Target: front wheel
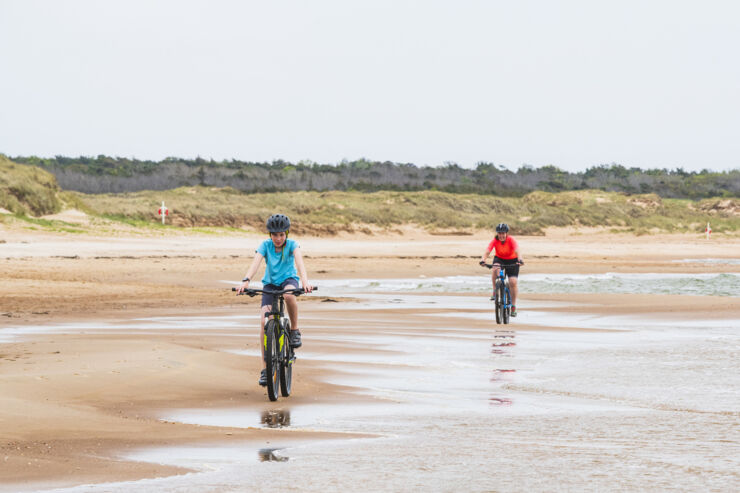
column 272, row 358
column 506, row 305
column 286, row 362
column 499, row 300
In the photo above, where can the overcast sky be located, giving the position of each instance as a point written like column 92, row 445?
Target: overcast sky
column 569, row 83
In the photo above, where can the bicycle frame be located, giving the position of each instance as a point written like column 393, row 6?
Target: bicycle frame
column 502, row 294
column 279, row 355
column 505, row 279
column 277, row 313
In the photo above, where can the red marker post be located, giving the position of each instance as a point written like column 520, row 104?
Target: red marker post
column 163, row 211
column 708, row 231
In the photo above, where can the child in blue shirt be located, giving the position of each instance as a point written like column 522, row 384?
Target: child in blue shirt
column 282, row 256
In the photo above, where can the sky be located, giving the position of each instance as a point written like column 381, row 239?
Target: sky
column 574, row 84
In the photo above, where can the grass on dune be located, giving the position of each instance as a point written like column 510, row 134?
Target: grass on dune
column 329, row 212
column 27, row 189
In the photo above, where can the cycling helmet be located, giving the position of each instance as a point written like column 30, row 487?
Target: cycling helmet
column 502, row 228
column 277, row 223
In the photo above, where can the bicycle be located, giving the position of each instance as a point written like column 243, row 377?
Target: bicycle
column 279, row 354
column 502, row 294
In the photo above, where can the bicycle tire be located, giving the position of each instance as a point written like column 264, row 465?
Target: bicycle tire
column 506, row 305
column 286, row 362
column 272, row 359
column 498, row 299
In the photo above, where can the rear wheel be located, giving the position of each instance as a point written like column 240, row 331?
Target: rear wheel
column 498, row 297
column 506, row 305
column 272, row 359
column 286, row 362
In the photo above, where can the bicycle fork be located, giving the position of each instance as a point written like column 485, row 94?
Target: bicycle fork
column 280, row 334
column 282, row 342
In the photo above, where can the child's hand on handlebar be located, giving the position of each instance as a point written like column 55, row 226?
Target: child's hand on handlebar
column 307, row 287
column 243, row 287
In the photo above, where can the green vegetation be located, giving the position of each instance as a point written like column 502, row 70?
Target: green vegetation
column 27, row 189
column 133, row 221
column 51, row 225
column 104, row 174
column 331, row 212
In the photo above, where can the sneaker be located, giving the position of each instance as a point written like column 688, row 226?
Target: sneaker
column 513, row 311
column 263, row 378
column 295, row 339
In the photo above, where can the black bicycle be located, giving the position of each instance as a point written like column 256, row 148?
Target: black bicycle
column 279, row 354
column 501, row 294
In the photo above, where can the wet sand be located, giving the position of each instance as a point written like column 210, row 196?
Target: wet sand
column 77, row 398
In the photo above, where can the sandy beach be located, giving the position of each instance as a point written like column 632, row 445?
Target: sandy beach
column 85, row 380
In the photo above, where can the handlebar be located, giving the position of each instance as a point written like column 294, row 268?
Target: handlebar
column 490, row 266
column 255, row 292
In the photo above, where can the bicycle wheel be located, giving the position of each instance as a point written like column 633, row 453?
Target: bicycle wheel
column 506, row 305
column 498, row 298
column 286, row 362
column 272, row 359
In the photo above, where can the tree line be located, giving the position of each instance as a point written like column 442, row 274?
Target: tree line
column 104, row 174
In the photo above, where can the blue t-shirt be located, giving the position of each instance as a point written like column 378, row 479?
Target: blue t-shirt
column 279, row 266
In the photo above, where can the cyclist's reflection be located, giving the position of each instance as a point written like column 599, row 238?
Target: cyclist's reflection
column 502, row 347
column 276, row 419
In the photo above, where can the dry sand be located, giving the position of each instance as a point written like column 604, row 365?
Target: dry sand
column 72, row 402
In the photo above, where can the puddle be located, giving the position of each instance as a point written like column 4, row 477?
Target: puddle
column 214, row 326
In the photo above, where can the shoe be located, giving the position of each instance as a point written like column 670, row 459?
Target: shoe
column 295, row 339
column 263, row 378
column 513, row 311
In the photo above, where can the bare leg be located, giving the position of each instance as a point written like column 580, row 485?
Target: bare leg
column 514, row 288
column 292, row 306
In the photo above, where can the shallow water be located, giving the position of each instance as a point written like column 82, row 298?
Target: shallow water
column 727, row 261
column 722, row 284
column 654, row 405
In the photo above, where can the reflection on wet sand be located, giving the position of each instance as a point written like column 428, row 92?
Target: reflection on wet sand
column 497, row 374
column 501, row 347
column 269, row 455
column 276, row 418
column 496, row 347
column 500, row 401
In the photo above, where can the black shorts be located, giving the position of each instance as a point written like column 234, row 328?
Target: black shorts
column 510, row 265
column 267, row 298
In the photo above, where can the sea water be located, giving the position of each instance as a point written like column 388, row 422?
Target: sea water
column 715, row 284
